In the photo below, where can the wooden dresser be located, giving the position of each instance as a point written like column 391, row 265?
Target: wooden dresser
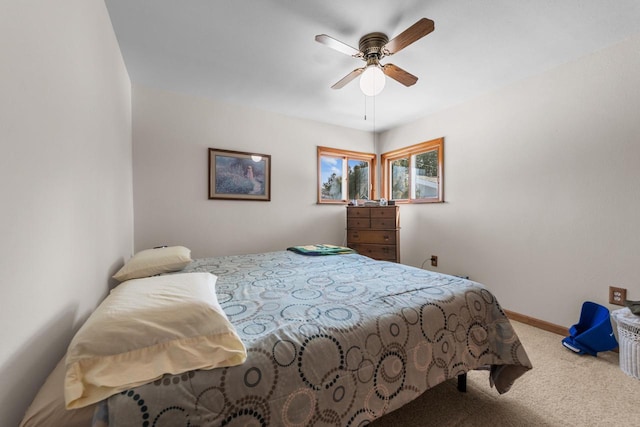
column 374, row 231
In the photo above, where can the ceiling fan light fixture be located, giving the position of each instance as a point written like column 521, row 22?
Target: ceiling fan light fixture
column 372, row 80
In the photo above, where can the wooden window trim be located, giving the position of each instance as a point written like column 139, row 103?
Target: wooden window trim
column 345, row 155
column 423, row 147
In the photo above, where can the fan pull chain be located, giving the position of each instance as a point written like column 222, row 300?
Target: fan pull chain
column 374, row 118
column 374, row 124
column 365, row 107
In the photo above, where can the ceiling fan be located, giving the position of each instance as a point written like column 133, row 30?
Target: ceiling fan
column 372, row 48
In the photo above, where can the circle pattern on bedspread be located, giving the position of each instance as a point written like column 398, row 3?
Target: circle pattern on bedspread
column 257, row 326
column 342, row 317
column 284, row 353
column 477, row 340
column 390, row 372
column 318, row 351
column 171, row 416
column 211, row 401
column 338, row 314
column 237, row 311
column 392, row 328
column 477, row 305
column 135, row 400
column 343, row 292
column 298, row 408
column 338, row 398
column 337, row 340
column 300, row 313
column 306, row 294
column 246, row 417
column 433, row 321
column 258, row 376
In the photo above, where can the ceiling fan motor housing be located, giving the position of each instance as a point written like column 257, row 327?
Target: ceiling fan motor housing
column 371, row 45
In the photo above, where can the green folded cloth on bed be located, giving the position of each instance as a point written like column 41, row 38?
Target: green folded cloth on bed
column 316, row 250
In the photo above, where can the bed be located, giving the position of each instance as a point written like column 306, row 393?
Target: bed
column 330, row 340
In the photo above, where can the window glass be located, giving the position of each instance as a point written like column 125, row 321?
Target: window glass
column 414, row 174
column 331, row 173
column 425, row 175
column 358, row 179
column 345, row 175
column 400, row 179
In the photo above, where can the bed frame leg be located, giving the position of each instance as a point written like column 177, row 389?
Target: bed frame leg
column 462, row 382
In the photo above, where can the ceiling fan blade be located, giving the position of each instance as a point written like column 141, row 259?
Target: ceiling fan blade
column 338, row 45
column 346, row 79
column 408, row 36
column 400, row 75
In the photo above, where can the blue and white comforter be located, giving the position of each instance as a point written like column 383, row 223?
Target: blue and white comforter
column 335, row 340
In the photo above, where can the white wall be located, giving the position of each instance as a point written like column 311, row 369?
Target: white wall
column 542, row 187
column 66, row 218
column 171, row 136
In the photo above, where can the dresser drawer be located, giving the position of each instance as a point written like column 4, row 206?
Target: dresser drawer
column 354, row 212
column 358, row 223
column 380, row 252
column 371, row 236
column 387, row 223
column 389, row 212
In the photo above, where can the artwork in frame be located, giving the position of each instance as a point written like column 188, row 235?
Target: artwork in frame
column 236, row 175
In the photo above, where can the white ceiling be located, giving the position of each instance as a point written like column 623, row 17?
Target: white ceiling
column 262, row 53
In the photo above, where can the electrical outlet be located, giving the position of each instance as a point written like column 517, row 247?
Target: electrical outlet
column 434, row 261
column 617, row 296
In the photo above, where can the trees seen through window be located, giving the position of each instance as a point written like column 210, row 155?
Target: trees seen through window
column 414, row 174
column 344, row 175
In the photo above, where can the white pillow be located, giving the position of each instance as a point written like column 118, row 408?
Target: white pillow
column 154, row 261
column 146, row 328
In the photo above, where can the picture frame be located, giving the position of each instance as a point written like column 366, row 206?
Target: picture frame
column 237, row 175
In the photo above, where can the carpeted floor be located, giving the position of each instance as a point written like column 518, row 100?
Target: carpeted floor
column 562, row 389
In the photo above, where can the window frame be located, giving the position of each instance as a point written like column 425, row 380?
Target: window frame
column 408, row 152
column 345, row 155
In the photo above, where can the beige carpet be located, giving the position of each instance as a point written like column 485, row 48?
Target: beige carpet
column 562, row 389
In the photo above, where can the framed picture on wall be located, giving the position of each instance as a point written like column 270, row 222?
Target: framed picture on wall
column 236, row 175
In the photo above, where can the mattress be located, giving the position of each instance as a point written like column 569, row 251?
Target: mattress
column 340, row 340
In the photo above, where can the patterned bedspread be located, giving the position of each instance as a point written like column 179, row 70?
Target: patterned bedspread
column 337, row 340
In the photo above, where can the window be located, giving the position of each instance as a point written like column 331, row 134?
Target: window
column 345, row 175
column 414, row 174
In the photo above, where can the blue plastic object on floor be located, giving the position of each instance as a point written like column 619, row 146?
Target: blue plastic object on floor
column 593, row 333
